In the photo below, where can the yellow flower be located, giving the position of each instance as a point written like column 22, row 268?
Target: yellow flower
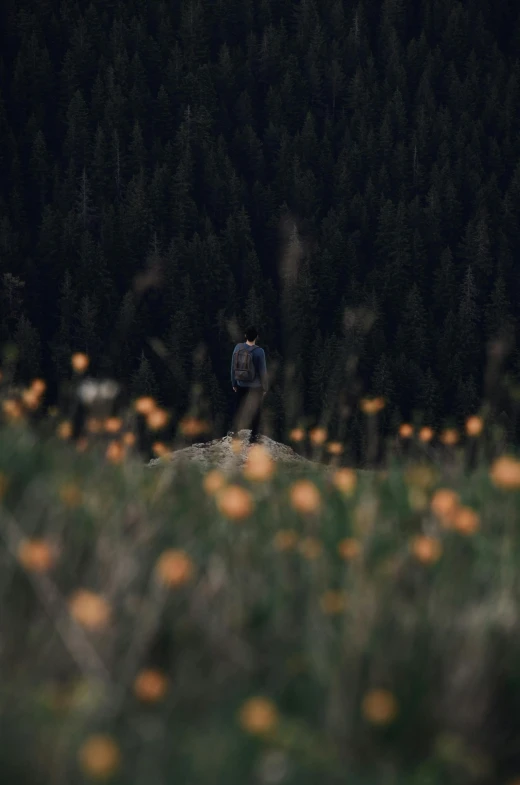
column 406, row 431
column 474, row 426
column 426, row 434
column 318, row 435
column 258, row 716
column 99, row 757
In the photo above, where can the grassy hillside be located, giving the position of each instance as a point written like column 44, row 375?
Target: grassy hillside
column 259, row 628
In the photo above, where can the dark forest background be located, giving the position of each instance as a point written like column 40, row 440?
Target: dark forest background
column 159, row 159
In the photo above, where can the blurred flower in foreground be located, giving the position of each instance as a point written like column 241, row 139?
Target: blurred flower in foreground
column 333, row 602
column 213, row 481
column 426, row 549
column 174, row 568
column 259, row 464
column 145, row 405
column 465, row 520
column 345, row 480
column 349, row 548
column 150, row 685
column 70, row 495
column 38, row 386
column 12, row 409
column 89, row 609
column 443, row 504
column 35, row 555
column 99, row 757
column 115, row 452
column 379, row 707
column 285, row 539
column 305, row 496
column 372, row 405
column 191, row 426
column 310, row 548
column 157, row 419
column 318, row 435
column 406, row 431
column 505, row 473
column 79, row 362
column 235, row 502
column 426, row 434
column 474, row 426
column 449, row 437
column 335, row 448
column 297, row 435
column 258, row 716
column 64, row 430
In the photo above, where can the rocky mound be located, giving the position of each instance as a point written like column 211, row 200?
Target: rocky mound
column 219, row 453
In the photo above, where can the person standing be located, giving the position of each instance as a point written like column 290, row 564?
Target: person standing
column 250, row 383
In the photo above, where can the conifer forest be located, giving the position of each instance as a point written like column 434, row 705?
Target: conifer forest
column 343, row 175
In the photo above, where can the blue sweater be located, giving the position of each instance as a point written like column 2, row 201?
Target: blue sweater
column 260, row 379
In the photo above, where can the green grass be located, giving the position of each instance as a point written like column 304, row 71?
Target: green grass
column 442, row 638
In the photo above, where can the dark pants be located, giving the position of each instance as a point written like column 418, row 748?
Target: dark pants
column 248, row 409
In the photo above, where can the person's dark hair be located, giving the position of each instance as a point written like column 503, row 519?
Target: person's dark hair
column 251, row 333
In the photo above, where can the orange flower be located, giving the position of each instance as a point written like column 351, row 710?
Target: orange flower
column 145, row 405
column 38, row 386
column 297, row 435
column 285, row 539
column 335, row 448
column 466, row 521
column 406, row 431
column 310, row 548
column 259, row 465
column 474, row 425
column 345, row 480
column 31, row 399
column 94, row 425
column 258, row 716
column 318, row 435
column 191, row 426
column 443, row 504
column 99, row 757
column 160, row 449
column 379, row 707
column 372, row 405
column 213, row 481
column 426, row 434
column 35, row 555
column 505, row 473
column 426, row 549
column 333, row 602
column 449, row 436
column 71, row 495
column 79, row 362
column 235, row 502
column 12, row 409
column 157, row 419
column 129, row 438
column 64, row 430
column 150, row 685
column 174, row 568
column 115, row 452
column 90, row 609
column 305, row 496
column 349, row 548
column 113, row 424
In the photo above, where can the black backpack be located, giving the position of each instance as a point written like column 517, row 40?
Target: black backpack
column 244, row 367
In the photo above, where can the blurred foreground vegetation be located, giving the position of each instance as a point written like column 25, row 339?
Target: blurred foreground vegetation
column 164, row 626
